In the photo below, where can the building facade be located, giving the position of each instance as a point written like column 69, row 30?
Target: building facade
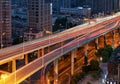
column 5, row 23
column 57, row 4
column 77, row 11
column 106, row 6
column 39, row 15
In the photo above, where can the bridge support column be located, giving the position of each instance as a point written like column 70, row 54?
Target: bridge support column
column 13, row 65
column 113, row 39
column 10, row 66
column 38, row 53
column 61, row 43
column 56, row 71
column 48, row 49
column 105, row 42
column 73, row 53
column 42, row 51
column 26, row 59
column 86, row 50
column 119, row 36
column 96, row 44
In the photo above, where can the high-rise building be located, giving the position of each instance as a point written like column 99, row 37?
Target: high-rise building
column 106, row 6
column 5, row 23
column 66, row 3
column 39, row 15
column 57, row 4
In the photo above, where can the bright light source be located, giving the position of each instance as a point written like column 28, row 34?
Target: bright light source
column 101, row 58
column 107, row 82
column 111, row 83
column 3, row 76
column 103, row 81
column 105, row 76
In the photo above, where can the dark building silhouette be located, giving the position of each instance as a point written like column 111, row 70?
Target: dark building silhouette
column 5, row 23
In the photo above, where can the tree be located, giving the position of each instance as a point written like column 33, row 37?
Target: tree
column 85, row 60
column 105, row 56
column 105, row 53
column 59, row 23
column 94, row 64
column 109, row 49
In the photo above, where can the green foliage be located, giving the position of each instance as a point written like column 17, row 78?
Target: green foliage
column 86, row 69
column 93, row 69
column 77, row 77
column 109, row 49
column 94, row 64
column 59, row 23
column 105, row 53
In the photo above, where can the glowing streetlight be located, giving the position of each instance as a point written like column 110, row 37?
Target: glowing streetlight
column 101, row 59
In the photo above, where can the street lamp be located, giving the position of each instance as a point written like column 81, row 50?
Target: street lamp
column 2, row 34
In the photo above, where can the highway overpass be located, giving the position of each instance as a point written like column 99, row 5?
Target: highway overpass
column 81, row 36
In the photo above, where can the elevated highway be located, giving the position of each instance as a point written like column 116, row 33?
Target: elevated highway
column 88, row 34
column 18, row 51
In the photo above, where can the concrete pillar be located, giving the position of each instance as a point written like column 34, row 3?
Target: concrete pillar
column 113, row 39
column 42, row 51
column 105, row 42
column 10, row 66
column 38, row 53
column 86, row 50
column 96, row 43
column 26, row 59
column 13, row 65
column 62, row 43
column 73, row 53
column 56, row 71
column 48, row 49
column 119, row 33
